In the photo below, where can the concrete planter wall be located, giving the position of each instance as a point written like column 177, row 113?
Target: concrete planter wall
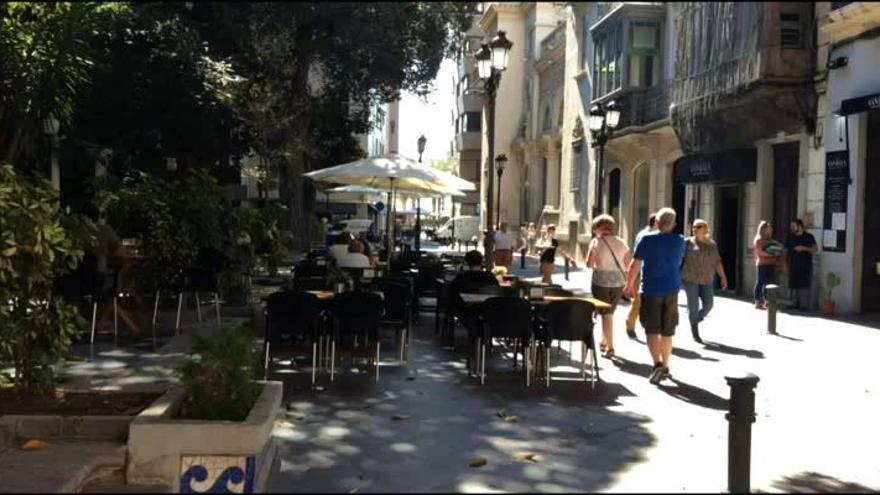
column 193, row 456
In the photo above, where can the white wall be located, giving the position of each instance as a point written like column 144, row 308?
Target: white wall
column 860, row 77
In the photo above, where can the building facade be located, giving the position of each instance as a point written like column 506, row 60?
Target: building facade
column 842, row 196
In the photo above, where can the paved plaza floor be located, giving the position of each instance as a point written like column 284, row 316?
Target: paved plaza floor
column 423, row 425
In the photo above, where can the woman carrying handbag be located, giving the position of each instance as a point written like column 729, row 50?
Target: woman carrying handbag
column 607, row 255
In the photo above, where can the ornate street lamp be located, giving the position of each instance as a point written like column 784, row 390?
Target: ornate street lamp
column 491, row 61
column 418, row 241
column 51, row 126
column 421, row 143
column 500, row 164
column 603, row 120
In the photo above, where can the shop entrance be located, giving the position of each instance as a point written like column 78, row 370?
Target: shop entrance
column 871, row 239
column 681, row 225
column 727, row 232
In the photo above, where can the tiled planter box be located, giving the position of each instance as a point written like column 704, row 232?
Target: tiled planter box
column 193, row 456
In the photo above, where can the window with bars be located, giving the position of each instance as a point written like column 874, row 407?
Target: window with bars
column 790, row 32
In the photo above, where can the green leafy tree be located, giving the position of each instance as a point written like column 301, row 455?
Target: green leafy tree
column 37, row 246
column 46, row 61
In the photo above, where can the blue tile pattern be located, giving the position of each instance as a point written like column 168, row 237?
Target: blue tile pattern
column 217, row 474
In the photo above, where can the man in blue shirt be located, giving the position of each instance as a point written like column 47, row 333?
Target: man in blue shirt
column 658, row 256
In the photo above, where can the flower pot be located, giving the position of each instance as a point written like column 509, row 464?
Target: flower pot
column 828, row 307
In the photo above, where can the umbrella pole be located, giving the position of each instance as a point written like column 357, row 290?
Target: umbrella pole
column 390, row 229
column 418, row 242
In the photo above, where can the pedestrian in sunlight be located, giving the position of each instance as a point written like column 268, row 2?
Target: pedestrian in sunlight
column 701, row 262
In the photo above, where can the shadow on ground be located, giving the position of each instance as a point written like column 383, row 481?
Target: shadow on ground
column 734, row 351
column 811, row 482
column 422, row 426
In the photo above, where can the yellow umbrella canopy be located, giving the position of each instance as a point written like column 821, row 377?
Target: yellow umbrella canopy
column 392, row 171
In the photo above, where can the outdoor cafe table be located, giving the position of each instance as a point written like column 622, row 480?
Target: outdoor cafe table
column 470, row 298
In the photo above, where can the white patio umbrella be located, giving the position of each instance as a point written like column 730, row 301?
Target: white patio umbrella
column 381, row 190
column 392, row 171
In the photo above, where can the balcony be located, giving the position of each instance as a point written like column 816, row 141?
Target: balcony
column 469, row 102
column 465, row 141
column 642, row 107
column 850, row 19
column 552, row 41
column 753, row 86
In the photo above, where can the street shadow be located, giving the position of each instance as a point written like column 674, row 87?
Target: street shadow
column 786, row 337
column 631, row 367
column 694, row 395
column 733, row 351
column 429, row 426
column 688, row 354
column 812, row 482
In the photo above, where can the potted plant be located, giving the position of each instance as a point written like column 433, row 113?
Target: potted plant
column 339, row 280
column 221, row 416
column 832, row 281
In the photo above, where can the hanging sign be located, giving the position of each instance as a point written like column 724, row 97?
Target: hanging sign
column 836, row 199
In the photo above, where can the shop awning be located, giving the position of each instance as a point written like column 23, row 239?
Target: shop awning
column 735, row 165
column 860, row 104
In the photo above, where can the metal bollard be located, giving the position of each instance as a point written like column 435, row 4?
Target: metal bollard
column 566, row 269
column 772, row 293
column 522, row 258
column 740, row 417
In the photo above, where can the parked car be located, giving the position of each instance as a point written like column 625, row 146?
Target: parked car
column 467, row 229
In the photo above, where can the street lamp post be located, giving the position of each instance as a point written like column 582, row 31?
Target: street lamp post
column 603, row 121
column 491, row 62
column 418, row 241
column 51, row 127
column 500, row 163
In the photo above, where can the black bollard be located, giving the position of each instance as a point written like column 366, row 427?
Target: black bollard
column 566, row 269
column 522, row 258
column 740, row 417
column 772, row 293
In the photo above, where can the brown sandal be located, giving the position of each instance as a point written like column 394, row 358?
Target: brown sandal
column 609, row 353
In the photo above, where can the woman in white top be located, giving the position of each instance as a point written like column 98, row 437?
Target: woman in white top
column 355, row 257
column 607, row 255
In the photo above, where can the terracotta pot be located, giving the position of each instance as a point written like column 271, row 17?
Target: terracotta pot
column 828, row 307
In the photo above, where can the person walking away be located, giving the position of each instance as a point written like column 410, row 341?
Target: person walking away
column 607, row 255
column 637, row 301
column 767, row 252
column 503, row 247
column 701, row 262
column 800, row 247
column 548, row 256
column 658, row 256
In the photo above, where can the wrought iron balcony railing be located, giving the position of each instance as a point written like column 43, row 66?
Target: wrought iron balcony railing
column 644, row 106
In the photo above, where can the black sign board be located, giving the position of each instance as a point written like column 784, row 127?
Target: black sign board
column 860, row 104
column 836, row 198
column 735, row 165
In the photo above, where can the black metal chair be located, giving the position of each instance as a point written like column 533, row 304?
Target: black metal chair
column 397, row 310
column 570, row 320
column 85, row 282
column 309, row 269
column 204, row 277
column 456, row 309
column 354, row 314
column 287, row 316
column 506, row 317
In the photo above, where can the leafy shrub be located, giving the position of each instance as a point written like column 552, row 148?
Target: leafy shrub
column 37, row 245
column 220, row 378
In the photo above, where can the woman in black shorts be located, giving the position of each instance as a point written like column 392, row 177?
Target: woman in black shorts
column 548, row 257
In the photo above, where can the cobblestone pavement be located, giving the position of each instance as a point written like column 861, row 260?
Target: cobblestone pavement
column 423, row 424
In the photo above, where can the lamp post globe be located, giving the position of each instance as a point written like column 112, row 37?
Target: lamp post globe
column 483, row 57
column 500, row 46
column 421, row 146
column 597, row 118
column 612, row 114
